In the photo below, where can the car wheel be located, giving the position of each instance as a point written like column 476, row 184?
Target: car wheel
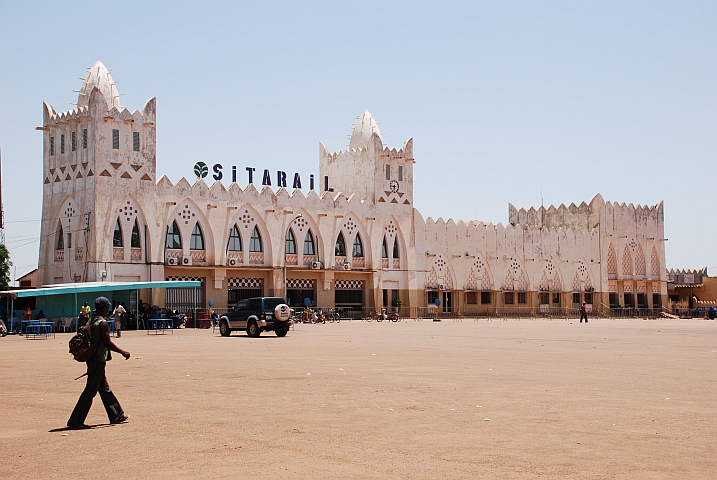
column 224, row 329
column 281, row 331
column 253, row 330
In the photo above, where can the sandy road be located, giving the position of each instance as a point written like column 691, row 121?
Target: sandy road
column 414, row 400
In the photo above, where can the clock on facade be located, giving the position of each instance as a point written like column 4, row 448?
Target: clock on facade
column 394, row 186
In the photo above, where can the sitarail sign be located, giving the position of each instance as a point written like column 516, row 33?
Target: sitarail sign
column 201, row 170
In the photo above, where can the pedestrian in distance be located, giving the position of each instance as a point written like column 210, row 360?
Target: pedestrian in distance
column 96, row 379
column 85, row 311
column 117, row 314
column 584, row 312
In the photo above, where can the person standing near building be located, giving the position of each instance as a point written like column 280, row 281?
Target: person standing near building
column 84, row 314
column 584, row 312
column 117, row 314
column 96, row 379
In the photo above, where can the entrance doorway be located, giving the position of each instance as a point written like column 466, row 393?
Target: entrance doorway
column 447, row 302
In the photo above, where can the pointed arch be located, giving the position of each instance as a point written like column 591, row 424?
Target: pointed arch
column 174, row 237
column 551, row 281
column 357, row 250
column 134, row 228
column 384, row 249
column 655, row 264
column 289, row 242
column 309, row 244
column 441, row 274
column 611, row 262
column 251, row 225
column 234, row 243
column 255, row 243
column 340, row 247
column 627, row 262
column 188, row 217
column 135, row 237
column 117, row 235
column 60, row 237
column 305, row 228
column 196, row 241
column 395, row 245
column 640, row 269
column 515, row 276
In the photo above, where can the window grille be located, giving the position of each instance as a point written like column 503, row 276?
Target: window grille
column 84, row 138
column 52, row 145
column 62, row 143
column 115, row 139
column 388, row 172
column 400, row 173
column 73, row 141
column 135, row 141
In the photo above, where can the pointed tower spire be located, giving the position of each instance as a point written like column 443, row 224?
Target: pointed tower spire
column 98, row 76
column 364, row 128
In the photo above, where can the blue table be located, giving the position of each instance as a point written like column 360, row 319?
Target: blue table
column 159, row 324
column 37, row 328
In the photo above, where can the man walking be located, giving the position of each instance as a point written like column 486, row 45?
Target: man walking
column 96, row 379
column 584, row 312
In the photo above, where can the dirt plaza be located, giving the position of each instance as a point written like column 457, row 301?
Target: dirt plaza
column 415, row 400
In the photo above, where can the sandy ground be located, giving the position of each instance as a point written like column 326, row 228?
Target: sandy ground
column 415, row 400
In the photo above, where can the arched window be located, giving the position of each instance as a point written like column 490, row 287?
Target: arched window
column 358, row 247
column 290, row 242
column 395, row 248
column 340, row 250
column 234, row 244
column 117, row 237
column 196, row 242
column 309, row 244
column 255, row 241
column 384, row 249
column 174, row 239
column 134, row 242
column 60, row 237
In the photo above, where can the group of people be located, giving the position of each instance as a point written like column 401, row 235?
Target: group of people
column 117, row 315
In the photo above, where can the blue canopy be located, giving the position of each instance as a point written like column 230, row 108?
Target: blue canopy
column 94, row 287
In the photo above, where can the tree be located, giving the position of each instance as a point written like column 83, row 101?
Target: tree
column 5, row 265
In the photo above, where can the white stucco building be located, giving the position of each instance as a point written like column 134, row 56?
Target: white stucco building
column 106, row 216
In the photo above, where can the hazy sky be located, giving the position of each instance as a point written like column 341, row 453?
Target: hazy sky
column 505, row 101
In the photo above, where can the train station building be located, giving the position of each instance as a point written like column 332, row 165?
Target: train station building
column 347, row 237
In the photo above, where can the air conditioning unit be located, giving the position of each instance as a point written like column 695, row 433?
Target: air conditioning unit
column 347, row 266
column 187, row 260
column 441, row 286
column 172, row 261
column 232, row 262
column 316, row 265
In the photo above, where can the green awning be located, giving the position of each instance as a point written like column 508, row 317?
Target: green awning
column 98, row 287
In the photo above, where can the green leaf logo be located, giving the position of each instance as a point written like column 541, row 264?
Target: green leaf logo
column 201, row 170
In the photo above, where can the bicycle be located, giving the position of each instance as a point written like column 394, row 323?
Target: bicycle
column 333, row 316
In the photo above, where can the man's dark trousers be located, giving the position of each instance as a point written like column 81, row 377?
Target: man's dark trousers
column 585, row 316
column 96, row 382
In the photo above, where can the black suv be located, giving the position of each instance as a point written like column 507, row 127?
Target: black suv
column 256, row 315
